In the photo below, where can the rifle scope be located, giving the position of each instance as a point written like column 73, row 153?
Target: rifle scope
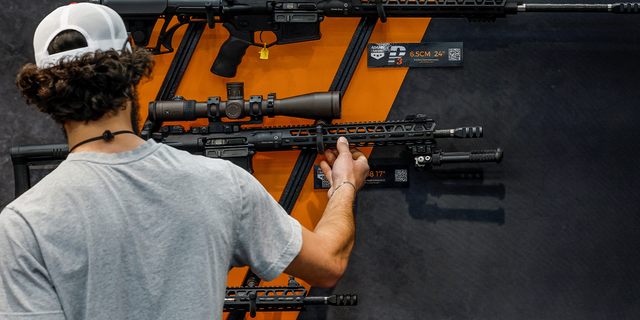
column 321, row 105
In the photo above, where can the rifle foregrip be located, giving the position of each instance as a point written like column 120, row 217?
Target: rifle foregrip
column 486, row 156
column 230, row 57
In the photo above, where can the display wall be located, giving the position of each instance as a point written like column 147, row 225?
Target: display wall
column 552, row 232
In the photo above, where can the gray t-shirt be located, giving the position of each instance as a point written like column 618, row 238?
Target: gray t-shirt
column 145, row 234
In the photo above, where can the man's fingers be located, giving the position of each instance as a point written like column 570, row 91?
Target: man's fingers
column 345, row 169
column 330, row 155
column 342, row 145
column 357, row 154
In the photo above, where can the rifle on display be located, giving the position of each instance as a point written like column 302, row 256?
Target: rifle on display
column 299, row 21
column 231, row 140
column 292, row 297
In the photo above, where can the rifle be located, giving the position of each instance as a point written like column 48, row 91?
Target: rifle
column 229, row 141
column 233, row 141
column 239, row 145
column 292, row 297
column 299, row 21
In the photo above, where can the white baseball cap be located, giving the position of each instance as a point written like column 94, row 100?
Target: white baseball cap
column 101, row 26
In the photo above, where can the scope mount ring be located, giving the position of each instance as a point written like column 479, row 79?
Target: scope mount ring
column 381, row 13
column 319, row 139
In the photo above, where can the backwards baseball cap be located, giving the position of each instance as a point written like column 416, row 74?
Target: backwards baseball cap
column 101, row 26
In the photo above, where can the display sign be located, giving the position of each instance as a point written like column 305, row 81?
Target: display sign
column 424, row 54
column 380, row 176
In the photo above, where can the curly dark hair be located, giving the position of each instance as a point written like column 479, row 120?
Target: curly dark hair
column 86, row 88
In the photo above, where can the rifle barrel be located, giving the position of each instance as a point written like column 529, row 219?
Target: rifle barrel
column 459, row 133
column 332, row 300
column 580, row 7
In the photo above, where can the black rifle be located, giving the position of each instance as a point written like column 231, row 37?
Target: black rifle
column 239, row 145
column 228, row 140
column 292, row 297
column 299, row 20
column 232, row 141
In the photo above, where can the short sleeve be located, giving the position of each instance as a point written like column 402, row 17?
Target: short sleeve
column 27, row 291
column 268, row 238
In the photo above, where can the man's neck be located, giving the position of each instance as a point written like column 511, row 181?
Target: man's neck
column 77, row 132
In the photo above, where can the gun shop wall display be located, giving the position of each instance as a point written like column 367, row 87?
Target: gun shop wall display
column 503, row 185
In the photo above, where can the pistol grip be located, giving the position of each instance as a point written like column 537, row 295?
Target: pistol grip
column 231, row 52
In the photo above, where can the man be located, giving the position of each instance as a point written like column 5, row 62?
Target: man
column 131, row 229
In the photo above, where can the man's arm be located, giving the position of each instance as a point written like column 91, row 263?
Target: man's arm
column 325, row 252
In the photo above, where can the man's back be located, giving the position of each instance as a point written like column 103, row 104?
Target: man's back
column 144, row 234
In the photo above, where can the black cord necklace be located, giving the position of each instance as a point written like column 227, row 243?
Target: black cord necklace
column 107, row 136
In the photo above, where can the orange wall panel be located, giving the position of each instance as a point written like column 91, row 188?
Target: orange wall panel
column 292, row 70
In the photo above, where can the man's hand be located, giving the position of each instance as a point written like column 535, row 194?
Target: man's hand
column 325, row 252
column 349, row 164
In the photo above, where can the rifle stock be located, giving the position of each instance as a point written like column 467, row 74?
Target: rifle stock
column 24, row 157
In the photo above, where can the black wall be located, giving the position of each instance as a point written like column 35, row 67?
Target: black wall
column 21, row 124
column 550, row 233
